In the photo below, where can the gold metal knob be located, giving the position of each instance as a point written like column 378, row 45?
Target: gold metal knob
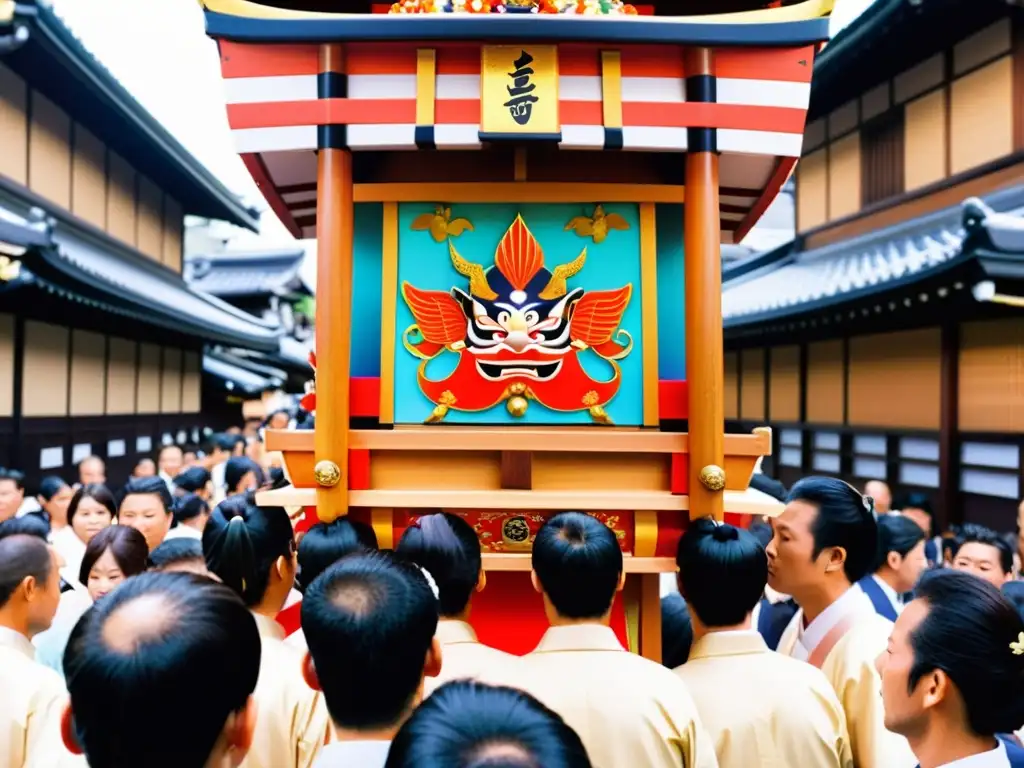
column 327, row 473
column 517, row 406
column 712, row 477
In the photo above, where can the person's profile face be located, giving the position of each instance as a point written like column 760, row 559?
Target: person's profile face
column 145, row 513
column 171, row 461
column 983, row 561
column 92, row 471
column 791, row 564
column 279, row 421
column 104, row 575
column 90, row 518
column 905, row 711
column 189, row 460
column 45, row 598
column 922, row 518
column 11, row 497
column 908, row 569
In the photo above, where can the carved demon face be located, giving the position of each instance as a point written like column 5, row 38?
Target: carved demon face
column 518, row 313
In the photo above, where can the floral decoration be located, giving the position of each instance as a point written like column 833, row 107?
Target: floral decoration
column 580, row 7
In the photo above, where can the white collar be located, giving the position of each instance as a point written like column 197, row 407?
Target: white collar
column 889, row 592
column 852, row 600
column 364, row 754
column 17, row 641
column 995, row 758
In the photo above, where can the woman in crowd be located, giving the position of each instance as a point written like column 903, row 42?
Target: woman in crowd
column 91, row 509
column 112, row 555
column 471, row 725
column 252, row 550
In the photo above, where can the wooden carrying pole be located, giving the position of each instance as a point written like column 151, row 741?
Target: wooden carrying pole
column 702, row 256
column 334, row 236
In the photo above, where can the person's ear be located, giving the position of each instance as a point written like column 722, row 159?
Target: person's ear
column 67, row 731
column 432, row 663
column 240, row 729
column 309, row 672
column 535, row 581
column 622, row 582
column 283, row 565
column 29, row 588
column 481, row 582
column 836, row 559
column 893, row 560
column 934, row 688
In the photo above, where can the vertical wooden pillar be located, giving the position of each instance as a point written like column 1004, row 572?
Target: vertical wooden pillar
column 702, row 253
column 334, row 233
column 650, row 616
column 949, row 509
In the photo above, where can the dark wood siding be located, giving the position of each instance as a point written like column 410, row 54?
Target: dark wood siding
column 882, row 158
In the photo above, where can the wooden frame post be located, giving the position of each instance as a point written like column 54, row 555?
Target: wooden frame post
column 334, row 234
column 702, row 254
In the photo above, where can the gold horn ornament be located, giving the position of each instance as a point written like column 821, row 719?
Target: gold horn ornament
column 478, row 285
column 712, row 477
column 327, row 473
column 556, row 286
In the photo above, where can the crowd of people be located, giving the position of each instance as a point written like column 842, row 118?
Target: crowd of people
column 144, row 627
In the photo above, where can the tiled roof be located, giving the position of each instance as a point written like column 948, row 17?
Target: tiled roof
column 246, row 274
column 789, row 281
column 110, row 276
column 235, row 378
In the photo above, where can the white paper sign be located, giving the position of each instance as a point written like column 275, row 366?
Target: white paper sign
column 115, row 448
column 51, row 458
column 80, row 452
column 143, row 444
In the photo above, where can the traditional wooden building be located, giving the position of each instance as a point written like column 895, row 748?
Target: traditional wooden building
column 887, row 340
column 101, row 340
column 268, row 285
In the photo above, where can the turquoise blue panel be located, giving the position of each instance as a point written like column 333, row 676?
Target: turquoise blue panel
column 671, row 299
column 366, row 280
column 611, row 264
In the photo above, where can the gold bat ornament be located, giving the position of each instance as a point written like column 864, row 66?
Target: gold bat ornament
column 597, row 226
column 441, row 225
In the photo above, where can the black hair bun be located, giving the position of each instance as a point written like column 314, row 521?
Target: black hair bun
column 725, row 533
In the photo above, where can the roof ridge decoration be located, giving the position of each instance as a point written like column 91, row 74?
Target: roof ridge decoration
column 802, row 11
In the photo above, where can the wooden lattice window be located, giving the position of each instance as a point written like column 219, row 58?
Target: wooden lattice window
column 882, row 147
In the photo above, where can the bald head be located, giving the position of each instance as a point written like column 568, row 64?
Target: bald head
column 879, row 491
column 160, row 645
